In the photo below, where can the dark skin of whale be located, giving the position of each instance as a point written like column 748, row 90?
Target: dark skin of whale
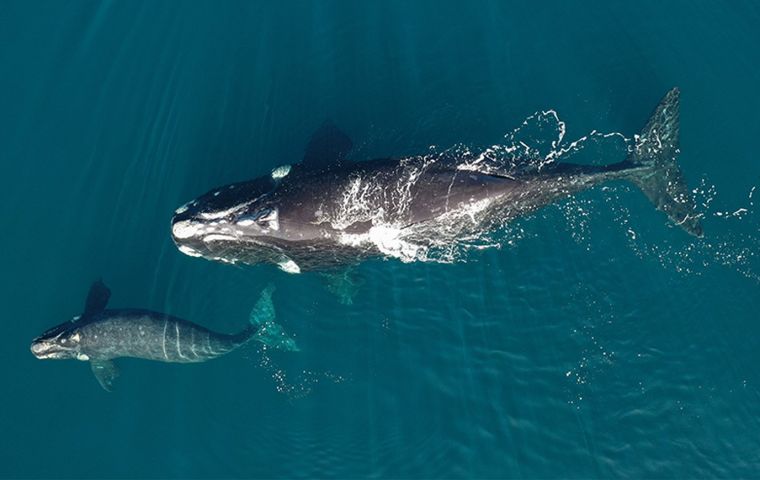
column 101, row 335
column 319, row 213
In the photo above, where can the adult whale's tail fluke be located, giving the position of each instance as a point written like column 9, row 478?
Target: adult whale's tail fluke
column 662, row 181
column 263, row 327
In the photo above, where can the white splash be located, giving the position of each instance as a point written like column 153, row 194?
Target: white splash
column 388, row 239
column 222, row 213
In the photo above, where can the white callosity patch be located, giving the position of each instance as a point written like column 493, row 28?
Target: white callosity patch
column 218, row 237
column 183, row 208
column 225, row 260
column 223, row 213
column 186, row 229
column 271, row 219
column 189, row 251
column 82, row 357
column 280, row 172
column 266, row 222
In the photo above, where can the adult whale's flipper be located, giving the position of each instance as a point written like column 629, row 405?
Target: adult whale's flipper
column 662, row 182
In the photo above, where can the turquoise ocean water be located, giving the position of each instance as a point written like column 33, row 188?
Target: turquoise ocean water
column 597, row 342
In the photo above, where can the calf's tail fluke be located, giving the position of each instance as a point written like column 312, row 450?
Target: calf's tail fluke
column 263, row 327
column 655, row 170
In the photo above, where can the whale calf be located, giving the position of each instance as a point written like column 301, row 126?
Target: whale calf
column 100, row 335
column 327, row 210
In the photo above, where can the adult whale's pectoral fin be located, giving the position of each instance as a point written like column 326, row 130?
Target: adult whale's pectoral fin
column 344, row 284
column 327, row 148
column 287, row 265
column 105, row 372
column 97, row 298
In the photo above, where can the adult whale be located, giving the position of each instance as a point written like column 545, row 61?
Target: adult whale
column 330, row 211
column 99, row 335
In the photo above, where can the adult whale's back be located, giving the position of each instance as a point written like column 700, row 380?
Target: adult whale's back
column 328, row 210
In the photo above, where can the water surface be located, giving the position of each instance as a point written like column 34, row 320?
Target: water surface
column 598, row 342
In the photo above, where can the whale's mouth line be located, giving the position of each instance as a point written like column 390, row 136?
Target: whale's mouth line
column 43, row 350
column 228, row 248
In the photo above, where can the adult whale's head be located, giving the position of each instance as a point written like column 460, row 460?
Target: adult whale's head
column 259, row 220
column 227, row 218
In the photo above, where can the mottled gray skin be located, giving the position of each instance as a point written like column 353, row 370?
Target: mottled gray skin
column 295, row 220
column 153, row 336
column 99, row 336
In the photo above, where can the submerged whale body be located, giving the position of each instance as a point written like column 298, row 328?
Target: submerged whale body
column 328, row 211
column 100, row 335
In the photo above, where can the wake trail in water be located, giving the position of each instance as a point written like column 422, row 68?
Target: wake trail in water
column 538, row 143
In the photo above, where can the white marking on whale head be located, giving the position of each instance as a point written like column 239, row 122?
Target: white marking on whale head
column 224, row 260
column 186, row 229
column 289, row 266
column 189, row 251
column 274, row 219
column 183, row 208
column 217, row 237
column 280, row 172
column 222, row 213
column 270, row 220
column 82, row 357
